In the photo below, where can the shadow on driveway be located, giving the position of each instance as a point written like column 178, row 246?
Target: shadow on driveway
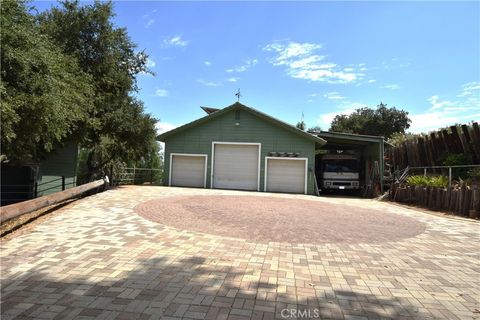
column 187, row 288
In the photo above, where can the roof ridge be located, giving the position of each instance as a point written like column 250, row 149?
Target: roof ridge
column 248, row 109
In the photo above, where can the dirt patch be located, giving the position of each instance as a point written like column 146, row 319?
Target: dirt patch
column 24, row 223
column 264, row 219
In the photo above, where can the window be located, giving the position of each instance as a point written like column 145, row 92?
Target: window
column 340, row 166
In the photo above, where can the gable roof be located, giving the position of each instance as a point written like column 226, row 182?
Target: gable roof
column 238, row 105
column 209, row 110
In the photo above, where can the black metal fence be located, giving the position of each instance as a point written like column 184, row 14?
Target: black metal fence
column 12, row 193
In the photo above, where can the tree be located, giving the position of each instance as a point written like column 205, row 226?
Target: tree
column 45, row 96
column 315, row 129
column 382, row 121
column 301, row 125
column 118, row 130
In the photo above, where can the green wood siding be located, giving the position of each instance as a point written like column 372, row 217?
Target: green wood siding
column 251, row 128
column 61, row 162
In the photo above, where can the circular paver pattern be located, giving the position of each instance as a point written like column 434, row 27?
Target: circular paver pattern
column 264, row 219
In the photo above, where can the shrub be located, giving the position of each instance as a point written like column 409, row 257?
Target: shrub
column 474, row 173
column 428, row 181
column 452, row 159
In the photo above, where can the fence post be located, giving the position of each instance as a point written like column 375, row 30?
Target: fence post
column 424, row 172
column 63, row 183
column 151, row 176
column 35, row 189
column 449, row 177
column 111, row 175
column 133, row 174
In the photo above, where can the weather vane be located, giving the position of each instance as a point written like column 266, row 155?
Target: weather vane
column 238, row 94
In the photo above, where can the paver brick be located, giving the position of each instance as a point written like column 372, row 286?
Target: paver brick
column 97, row 258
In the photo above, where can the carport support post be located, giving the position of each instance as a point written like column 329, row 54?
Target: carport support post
column 449, row 177
column 382, row 164
column 133, row 174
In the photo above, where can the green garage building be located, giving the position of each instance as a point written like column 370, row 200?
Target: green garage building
column 240, row 148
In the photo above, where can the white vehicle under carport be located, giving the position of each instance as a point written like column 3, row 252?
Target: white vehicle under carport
column 339, row 172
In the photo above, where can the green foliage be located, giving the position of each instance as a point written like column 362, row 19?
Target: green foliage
column 428, row 181
column 457, row 159
column 474, row 173
column 118, row 130
column 301, row 125
column 45, row 96
column 398, row 138
column 315, row 129
column 381, row 121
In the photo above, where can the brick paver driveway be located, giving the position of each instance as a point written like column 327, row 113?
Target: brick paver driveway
column 100, row 258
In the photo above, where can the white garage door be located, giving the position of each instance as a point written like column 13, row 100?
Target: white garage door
column 235, row 166
column 187, row 170
column 286, row 175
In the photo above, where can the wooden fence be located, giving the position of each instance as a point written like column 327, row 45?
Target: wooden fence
column 427, row 150
column 461, row 199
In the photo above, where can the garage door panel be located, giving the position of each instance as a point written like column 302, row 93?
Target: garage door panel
column 235, row 166
column 188, row 171
column 285, row 175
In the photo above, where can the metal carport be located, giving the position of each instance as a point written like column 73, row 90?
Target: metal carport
column 370, row 149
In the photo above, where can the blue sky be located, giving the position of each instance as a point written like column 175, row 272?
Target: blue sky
column 315, row 58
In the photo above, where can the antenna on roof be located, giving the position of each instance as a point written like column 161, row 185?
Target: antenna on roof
column 238, row 94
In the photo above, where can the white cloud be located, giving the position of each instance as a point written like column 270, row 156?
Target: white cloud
column 392, row 86
column 148, row 21
column 164, row 127
column 470, row 88
column 333, row 96
column 150, row 63
column 247, row 65
column 301, row 61
column 232, row 79
column 429, row 121
column 345, row 107
column 443, row 112
column 175, row 41
column 292, row 51
column 207, row 63
column 436, row 103
column 161, row 93
column 394, row 63
column 372, row 81
column 209, row 83
column 325, row 120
